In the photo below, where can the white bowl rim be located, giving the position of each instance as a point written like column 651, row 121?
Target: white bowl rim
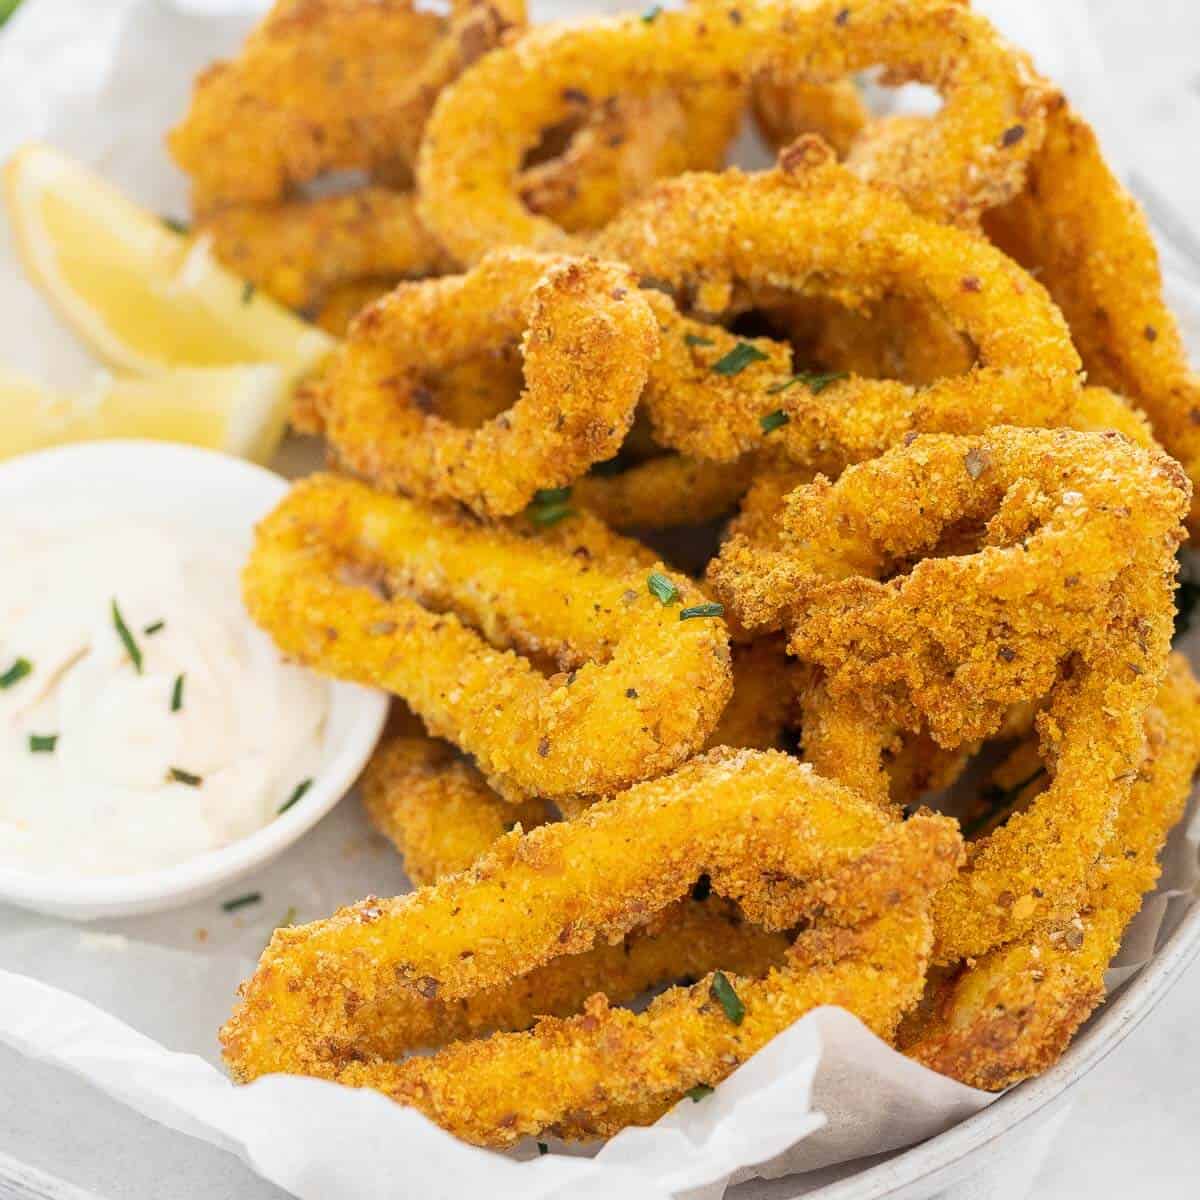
column 60, row 893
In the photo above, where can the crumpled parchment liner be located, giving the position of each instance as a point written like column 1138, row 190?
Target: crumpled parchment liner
column 133, row 1005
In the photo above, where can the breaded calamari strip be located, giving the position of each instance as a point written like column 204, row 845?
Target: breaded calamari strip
column 972, row 157
column 664, row 492
column 326, row 85
column 326, row 995
column 302, row 251
column 811, row 227
column 595, row 1073
column 587, row 339
column 637, row 689
column 784, row 108
column 958, row 638
column 1091, row 245
column 1011, row 1014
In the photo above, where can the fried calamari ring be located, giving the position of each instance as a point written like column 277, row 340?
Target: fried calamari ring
column 812, row 227
column 587, row 338
column 957, row 639
column 638, row 689
column 665, row 492
column 301, row 252
column 971, row 156
column 1011, row 1014
column 326, row 85
column 785, row 108
column 568, row 886
column 1092, row 248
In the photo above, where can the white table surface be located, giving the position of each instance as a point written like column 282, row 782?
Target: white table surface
column 1133, row 1126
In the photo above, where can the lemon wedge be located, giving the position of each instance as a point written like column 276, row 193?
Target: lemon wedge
column 143, row 297
column 240, row 410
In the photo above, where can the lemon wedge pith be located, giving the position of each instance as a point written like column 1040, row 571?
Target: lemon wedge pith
column 142, row 296
column 240, row 410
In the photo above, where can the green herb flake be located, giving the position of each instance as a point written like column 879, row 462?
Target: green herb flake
column 721, row 990
column 177, row 693
column 543, row 1148
column 774, row 420
column 662, row 587
column 248, row 290
column 153, row 628
column 42, row 743
column 696, row 1094
column 552, row 495
column 242, row 901
column 815, row 381
column 176, row 226
column 695, row 339
column 738, row 359
column 546, row 515
column 651, row 14
column 131, row 647
column 178, row 775
column 16, row 673
column 7, row 8
column 298, row 794
column 289, row 917
column 711, row 609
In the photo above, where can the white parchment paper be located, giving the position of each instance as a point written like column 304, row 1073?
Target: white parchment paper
column 133, row 1005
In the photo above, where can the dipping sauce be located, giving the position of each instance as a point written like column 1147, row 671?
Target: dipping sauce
column 143, row 718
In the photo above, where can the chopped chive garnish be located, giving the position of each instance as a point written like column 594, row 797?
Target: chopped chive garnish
column 696, row 1094
column 175, row 225
column 738, row 359
column 154, row 627
column 248, row 290
column 177, row 694
column 549, row 514
column 289, row 917
column 711, row 609
column 662, row 587
column 815, row 381
column 552, row 495
column 16, row 672
column 543, row 1148
column 131, row 647
column 722, row 992
column 773, row 420
column 178, row 775
column 241, row 901
column 694, row 339
column 298, row 793
column 42, row 743
column 651, row 14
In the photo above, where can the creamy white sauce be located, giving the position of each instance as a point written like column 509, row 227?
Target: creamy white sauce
column 103, row 801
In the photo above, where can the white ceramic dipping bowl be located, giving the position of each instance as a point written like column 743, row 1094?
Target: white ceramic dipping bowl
column 222, row 497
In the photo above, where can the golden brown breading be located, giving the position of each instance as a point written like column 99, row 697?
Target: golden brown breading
column 329, row 995
column 971, row 156
column 784, row 108
column 326, row 85
column 1011, row 1014
column 587, row 339
column 638, row 689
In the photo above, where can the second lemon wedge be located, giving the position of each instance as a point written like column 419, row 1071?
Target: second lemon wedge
column 240, row 410
column 142, row 296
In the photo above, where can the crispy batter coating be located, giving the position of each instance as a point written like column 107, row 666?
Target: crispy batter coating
column 1069, row 598
column 811, row 227
column 970, row 157
column 637, row 690
column 326, row 85
column 339, row 307
column 1011, row 1014
column 1089, row 242
column 325, row 994
column 665, row 492
column 785, row 108
column 303, row 251
column 587, row 339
